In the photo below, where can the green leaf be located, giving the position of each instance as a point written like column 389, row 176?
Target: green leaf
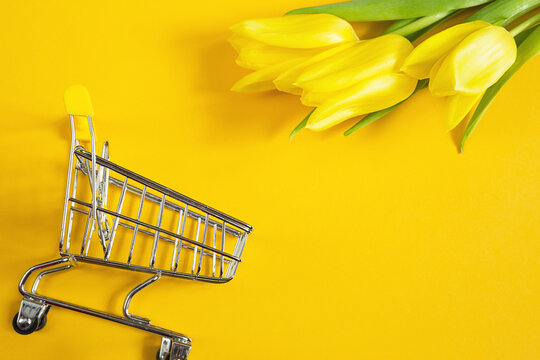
column 503, row 12
column 301, row 125
column 413, row 36
column 398, row 24
column 378, row 10
column 422, row 23
column 529, row 47
column 370, row 118
column 533, row 20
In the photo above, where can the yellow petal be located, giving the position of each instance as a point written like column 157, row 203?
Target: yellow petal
column 262, row 80
column 441, row 84
column 285, row 81
column 458, row 106
column 316, row 98
column 477, row 62
column 255, row 55
column 366, row 59
column 424, row 56
column 368, row 96
column 297, row 31
column 238, row 42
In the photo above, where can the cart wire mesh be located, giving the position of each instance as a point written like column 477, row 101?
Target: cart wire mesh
column 148, row 227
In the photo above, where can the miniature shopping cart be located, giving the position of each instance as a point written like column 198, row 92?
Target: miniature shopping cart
column 115, row 217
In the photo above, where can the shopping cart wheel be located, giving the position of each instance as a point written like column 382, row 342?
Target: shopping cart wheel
column 42, row 323
column 158, row 357
column 26, row 327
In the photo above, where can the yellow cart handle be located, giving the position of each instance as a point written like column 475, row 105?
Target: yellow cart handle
column 77, row 102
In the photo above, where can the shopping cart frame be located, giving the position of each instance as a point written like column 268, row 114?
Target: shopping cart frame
column 34, row 307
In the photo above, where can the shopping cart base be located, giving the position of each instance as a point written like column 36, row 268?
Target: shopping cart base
column 174, row 236
column 32, row 315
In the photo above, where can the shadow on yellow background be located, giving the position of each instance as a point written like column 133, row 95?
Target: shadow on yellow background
column 385, row 244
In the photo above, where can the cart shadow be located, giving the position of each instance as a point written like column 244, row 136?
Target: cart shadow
column 150, row 345
column 63, row 130
column 11, row 312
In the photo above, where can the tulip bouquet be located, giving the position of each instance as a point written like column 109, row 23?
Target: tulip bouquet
column 315, row 53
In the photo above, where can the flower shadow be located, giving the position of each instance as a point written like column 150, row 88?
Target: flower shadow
column 457, row 133
column 233, row 115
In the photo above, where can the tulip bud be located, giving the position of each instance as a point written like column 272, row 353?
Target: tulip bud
column 361, row 61
column 367, row 96
column 475, row 63
column 297, row 31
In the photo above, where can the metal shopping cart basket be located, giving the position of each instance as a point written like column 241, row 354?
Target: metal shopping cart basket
column 115, row 217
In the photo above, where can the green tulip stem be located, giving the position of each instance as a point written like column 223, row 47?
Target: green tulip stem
column 398, row 24
column 380, row 10
column 533, row 20
column 503, row 12
column 421, row 23
column 302, row 124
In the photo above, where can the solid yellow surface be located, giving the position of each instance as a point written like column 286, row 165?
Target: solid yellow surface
column 386, row 244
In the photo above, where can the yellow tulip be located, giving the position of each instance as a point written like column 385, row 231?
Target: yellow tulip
column 286, row 81
column 297, row 31
column 365, row 59
column 255, row 55
column 367, row 96
column 262, row 80
column 461, row 63
column 419, row 63
column 475, row 64
column 321, row 80
column 268, row 45
column 465, row 59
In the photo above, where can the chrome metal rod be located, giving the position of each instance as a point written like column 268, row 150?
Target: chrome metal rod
column 66, row 305
column 238, row 249
column 46, row 272
column 164, row 238
column 87, row 232
column 145, row 269
column 68, row 185
column 222, row 247
column 129, row 296
column 180, row 245
column 176, row 251
column 186, row 210
column 214, row 254
column 197, row 242
column 171, row 193
column 79, row 210
column 116, row 219
column 172, row 206
column 70, row 221
column 156, row 237
column 90, row 233
column 203, row 241
column 104, row 174
column 136, row 226
column 92, row 171
column 127, row 218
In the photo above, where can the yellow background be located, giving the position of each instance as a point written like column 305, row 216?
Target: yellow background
column 386, row 244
